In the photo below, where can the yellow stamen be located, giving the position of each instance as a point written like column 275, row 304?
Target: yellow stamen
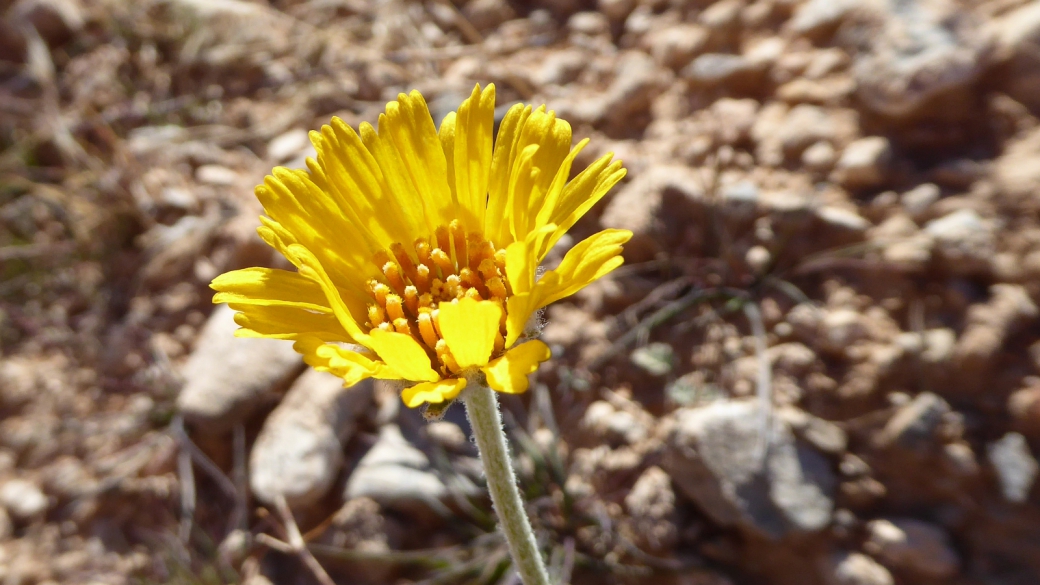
column 394, row 308
column 426, row 330
column 459, row 240
column 392, row 272
column 411, row 299
column 443, row 262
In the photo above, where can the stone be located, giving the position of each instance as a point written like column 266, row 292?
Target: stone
column 842, row 219
column 990, row 324
column 6, row 526
column 1015, row 466
column 287, row 145
column 651, row 508
column 589, row 23
column 486, row 15
column 616, row 10
column 1015, row 171
column 638, row 80
column 916, row 52
column 713, row 454
column 820, row 157
column 675, row 46
column 863, row 163
column 216, row 175
column 722, row 69
column 916, row 201
column 913, row 546
column 396, row 474
column 818, row 19
column 1017, row 34
column 298, row 453
column 914, row 423
column 560, row 67
column 23, row 499
column 964, row 240
column 856, row 568
column 617, row 427
column 227, row 377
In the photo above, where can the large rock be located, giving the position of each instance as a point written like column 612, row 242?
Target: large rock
column 1018, row 34
column 713, row 455
column 913, row 546
column 917, row 50
column 396, row 474
column 1015, row 466
column 299, row 451
column 227, row 377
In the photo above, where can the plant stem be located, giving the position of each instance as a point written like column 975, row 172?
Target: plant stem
column 484, row 417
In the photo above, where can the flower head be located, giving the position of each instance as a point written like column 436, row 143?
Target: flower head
column 416, row 250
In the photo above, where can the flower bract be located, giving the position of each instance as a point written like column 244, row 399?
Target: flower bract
column 417, row 249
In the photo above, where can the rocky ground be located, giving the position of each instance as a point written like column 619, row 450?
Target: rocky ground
column 820, row 364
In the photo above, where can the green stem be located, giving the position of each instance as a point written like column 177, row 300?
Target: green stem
column 484, row 417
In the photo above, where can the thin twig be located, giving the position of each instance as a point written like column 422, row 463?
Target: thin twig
column 226, row 485
column 764, row 383
column 297, row 543
column 240, row 476
column 186, row 475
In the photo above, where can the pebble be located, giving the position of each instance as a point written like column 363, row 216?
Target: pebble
column 715, row 69
column 863, row 163
column 964, row 240
column 712, row 453
column 818, row 19
column 299, row 451
column 918, row 52
column 917, row 200
column 287, row 145
column 1015, row 466
column 396, row 474
column 216, row 175
column 675, row 46
column 914, row 423
column 856, row 568
column 226, row 378
column 912, row 545
column 23, row 499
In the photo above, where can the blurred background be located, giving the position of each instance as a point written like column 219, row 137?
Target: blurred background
column 820, row 364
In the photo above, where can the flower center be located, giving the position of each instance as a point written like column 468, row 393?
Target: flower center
column 454, row 266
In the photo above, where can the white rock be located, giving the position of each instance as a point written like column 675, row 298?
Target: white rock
column 912, row 545
column 1015, row 466
column 227, row 377
column 842, row 218
column 287, row 145
column 396, row 474
column 299, row 451
column 854, row 568
column 713, row 455
column 677, row 45
column 23, row 499
column 964, row 240
column 216, row 175
column 863, row 162
column 917, row 200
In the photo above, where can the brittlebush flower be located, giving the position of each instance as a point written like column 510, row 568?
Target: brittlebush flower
column 416, row 250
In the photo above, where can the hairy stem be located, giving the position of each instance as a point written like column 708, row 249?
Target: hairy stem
column 482, row 410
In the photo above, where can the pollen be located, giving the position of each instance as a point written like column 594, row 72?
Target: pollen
column 449, row 266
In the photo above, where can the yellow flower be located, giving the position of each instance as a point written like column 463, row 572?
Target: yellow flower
column 416, row 249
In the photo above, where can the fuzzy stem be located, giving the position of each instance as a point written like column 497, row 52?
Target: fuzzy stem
column 484, row 417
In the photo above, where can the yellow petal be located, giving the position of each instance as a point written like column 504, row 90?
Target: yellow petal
column 469, row 329
column 496, row 226
column 446, row 133
column 409, row 125
column 403, row 354
column 522, row 260
column 509, row 373
column 268, row 286
column 519, row 309
column 432, row 392
column 347, row 170
column 474, row 129
column 404, row 213
column 282, row 322
column 344, row 363
column 311, row 268
column 586, row 262
column 589, row 260
column 582, row 193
